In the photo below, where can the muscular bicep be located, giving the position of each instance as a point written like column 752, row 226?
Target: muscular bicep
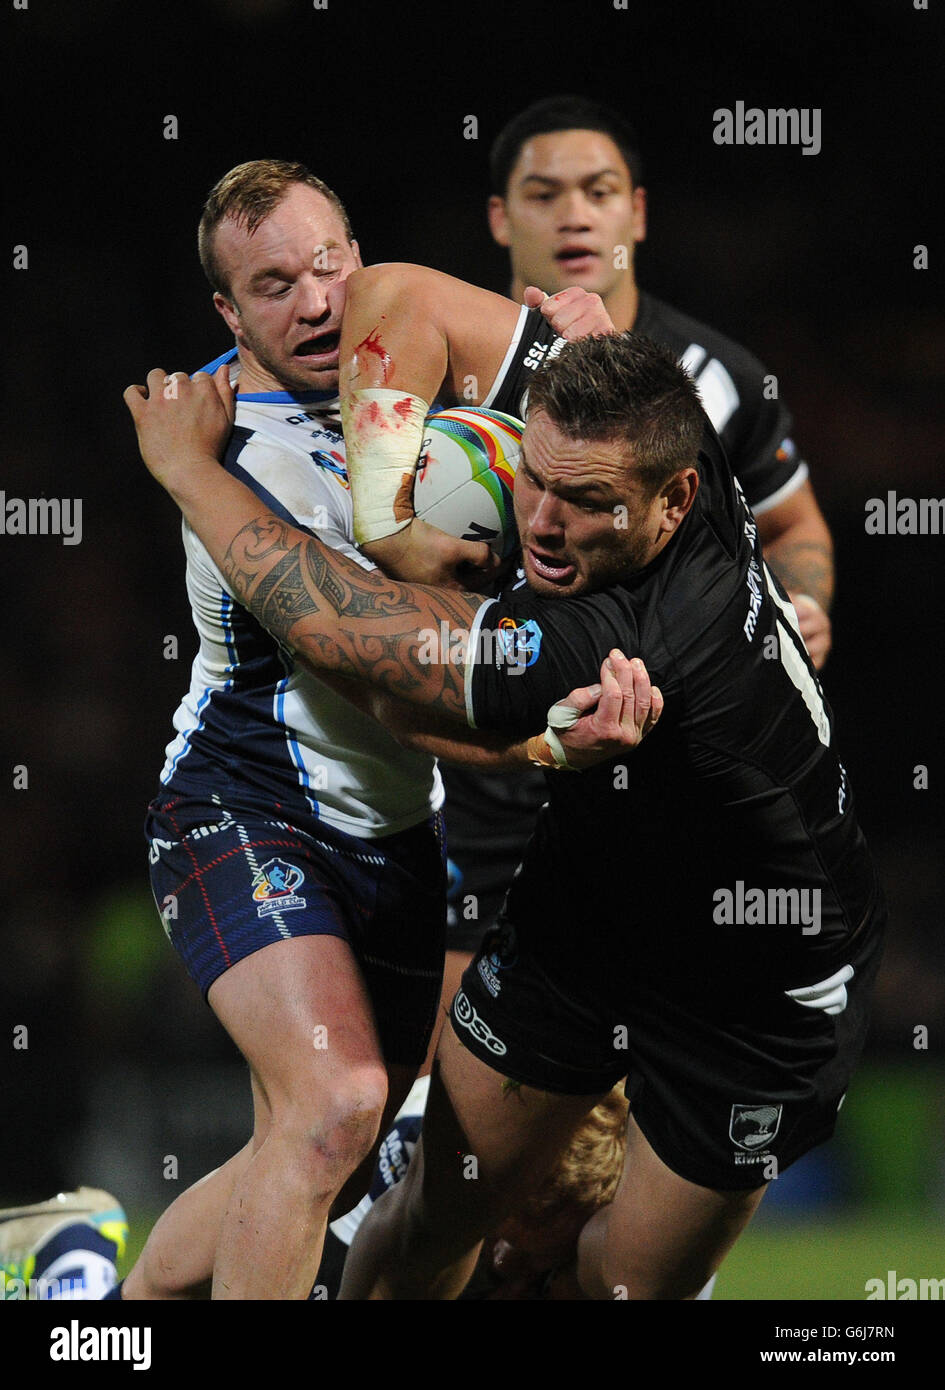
column 411, row 329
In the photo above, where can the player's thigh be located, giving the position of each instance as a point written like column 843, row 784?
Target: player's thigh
column 662, row 1236
column 486, row 1143
column 299, row 1012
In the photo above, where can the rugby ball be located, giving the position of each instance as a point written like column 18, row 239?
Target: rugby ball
column 466, row 475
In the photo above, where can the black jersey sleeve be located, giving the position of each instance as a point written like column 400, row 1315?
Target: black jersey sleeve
column 528, row 653
column 533, row 343
column 758, row 439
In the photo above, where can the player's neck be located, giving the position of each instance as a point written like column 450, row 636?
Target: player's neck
column 254, row 379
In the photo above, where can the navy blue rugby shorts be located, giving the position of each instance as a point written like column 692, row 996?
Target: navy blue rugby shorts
column 227, row 883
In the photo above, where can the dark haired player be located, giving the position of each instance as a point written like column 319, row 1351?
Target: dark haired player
column 619, row 951
column 569, row 204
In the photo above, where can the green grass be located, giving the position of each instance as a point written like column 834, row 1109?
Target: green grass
column 827, row 1260
column 832, row 1258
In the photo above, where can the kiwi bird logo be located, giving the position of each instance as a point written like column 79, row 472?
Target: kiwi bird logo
column 754, row 1126
column 276, row 879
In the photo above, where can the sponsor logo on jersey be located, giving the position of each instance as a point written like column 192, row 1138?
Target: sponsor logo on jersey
column 753, row 1128
column 501, row 954
column 466, row 1017
column 274, row 887
column 394, row 1155
column 787, row 449
column 755, row 598
column 520, row 643
column 333, row 461
column 322, row 431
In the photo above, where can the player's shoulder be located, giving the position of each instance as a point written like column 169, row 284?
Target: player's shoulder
column 685, row 335
column 599, row 619
column 418, row 279
column 307, row 486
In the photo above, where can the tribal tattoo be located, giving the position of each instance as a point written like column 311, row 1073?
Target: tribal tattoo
column 337, row 616
column 804, row 567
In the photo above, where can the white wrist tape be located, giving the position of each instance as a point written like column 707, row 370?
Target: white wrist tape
column 560, row 717
column 383, row 432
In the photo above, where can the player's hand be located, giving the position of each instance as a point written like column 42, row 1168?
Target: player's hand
column 422, row 554
column 181, row 423
column 815, row 627
column 573, row 313
column 616, row 715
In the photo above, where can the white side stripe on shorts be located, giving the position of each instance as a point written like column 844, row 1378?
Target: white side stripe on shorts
column 829, row 995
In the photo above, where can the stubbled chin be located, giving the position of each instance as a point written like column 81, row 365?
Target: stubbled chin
column 549, row 589
column 324, row 379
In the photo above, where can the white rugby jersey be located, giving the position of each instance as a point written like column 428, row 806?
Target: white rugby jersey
column 255, row 727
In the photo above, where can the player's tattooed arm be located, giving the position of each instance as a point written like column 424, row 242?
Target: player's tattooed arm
column 336, row 616
column 798, row 547
column 333, row 614
column 804, row 567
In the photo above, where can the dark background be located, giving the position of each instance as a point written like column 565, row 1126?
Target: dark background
column 807, row 260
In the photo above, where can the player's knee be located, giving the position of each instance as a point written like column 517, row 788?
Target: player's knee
column 623, row 1275
column 332, row 1130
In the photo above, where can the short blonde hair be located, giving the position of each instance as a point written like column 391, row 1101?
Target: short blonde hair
column 247, row 195
column 587, row 1174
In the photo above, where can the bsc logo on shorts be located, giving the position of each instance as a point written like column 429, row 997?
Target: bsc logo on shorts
column 467, row 1017
column 754, row 1127
column 274, row 887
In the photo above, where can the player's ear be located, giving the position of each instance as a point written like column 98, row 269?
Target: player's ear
column 498, row 222
column 639, row 214
column 227, row 310
column 356, row 253
column 678, row 497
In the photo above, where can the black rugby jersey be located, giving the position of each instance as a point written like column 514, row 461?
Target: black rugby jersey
column 484, row 810
column 755, row 431
column 739, row 787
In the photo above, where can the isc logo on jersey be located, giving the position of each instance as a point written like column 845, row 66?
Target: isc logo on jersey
column 274, row 887
column 520, row 642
